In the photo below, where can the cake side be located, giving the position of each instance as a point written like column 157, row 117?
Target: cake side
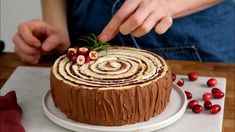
column 112, row 107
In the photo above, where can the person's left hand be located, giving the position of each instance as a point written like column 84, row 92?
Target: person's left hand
column 138, row 17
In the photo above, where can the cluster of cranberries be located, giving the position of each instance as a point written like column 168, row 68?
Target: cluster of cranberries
column 216, row 93
column 81, row 55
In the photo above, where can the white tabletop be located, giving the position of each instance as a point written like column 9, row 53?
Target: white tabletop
column 30, row 83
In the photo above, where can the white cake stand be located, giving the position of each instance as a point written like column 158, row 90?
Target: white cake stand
column 173, row 112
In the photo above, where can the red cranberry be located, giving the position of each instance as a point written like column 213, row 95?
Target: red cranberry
column 93, row 55
column 192, row 103
column 173, row 76
column 218, row 95
column 74, row 58
column 188, row 94
column 180, row 82
column 70, row 54
column 211, row 82
column 207, row 96
column 192, row 76
column 215, row 109
column 197, row 109
column 74, row 50
column 83, row 51
column 215, row 90
column 80, row 59
column 87, row 59
column 207, row 104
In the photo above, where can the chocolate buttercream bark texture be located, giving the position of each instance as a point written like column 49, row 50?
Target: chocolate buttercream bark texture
column 112, row 107
column 136, row 100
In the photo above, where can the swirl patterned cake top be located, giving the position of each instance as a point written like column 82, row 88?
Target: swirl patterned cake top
column 118, row 67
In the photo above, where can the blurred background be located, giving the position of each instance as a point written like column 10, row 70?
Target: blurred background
column 14, row 12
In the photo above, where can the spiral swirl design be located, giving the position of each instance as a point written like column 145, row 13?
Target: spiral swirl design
column 117, row 67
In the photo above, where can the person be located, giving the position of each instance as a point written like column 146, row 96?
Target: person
column 203, row 30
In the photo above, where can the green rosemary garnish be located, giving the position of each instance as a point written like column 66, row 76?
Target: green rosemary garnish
column 94, row 43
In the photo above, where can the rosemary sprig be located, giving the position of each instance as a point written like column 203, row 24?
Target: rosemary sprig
column 94, row 43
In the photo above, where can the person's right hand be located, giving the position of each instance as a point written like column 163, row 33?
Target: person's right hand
column 37, row 36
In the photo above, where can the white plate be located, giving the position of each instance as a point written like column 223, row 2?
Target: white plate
column 173, row 112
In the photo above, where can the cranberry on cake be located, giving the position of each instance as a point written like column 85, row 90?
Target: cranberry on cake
column 122, row 86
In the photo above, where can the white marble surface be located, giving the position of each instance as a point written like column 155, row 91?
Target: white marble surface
column 31, row 83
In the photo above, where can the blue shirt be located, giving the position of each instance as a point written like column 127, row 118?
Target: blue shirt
column 204, row 36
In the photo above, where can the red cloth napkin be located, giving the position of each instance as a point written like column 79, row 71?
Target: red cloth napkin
column 10, row 113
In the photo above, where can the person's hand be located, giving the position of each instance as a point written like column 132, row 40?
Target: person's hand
column 35, row 37
column 138, row 17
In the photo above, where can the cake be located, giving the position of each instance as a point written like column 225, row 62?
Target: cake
column 123, row 86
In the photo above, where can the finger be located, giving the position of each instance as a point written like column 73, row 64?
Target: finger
column 27, row 35
column 136, row 19
column 50, row 43
column 41, row 28
column 26, row 48
column 31, row 59
column 147, row 25
column 112, row 28
column 164, row 24
column 55, row 43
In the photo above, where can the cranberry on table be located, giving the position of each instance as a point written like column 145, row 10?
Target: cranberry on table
column 173, row 76
column 215, row 90
column 192, row 103
column 192, row 76
column 207, row 104
column 188, row 94
column 215, row 109
column 197, row 109
column 180, row 82
column 207, row 96
column 218, row 95
column 211, row 82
